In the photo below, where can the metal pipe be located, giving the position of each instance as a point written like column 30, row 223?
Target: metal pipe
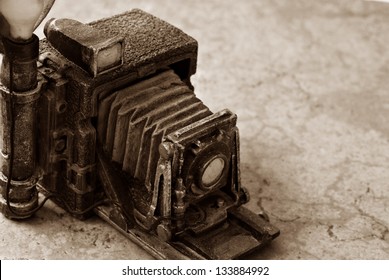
column 19, row 92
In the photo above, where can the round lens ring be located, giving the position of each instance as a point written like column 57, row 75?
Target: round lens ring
column 213, row 171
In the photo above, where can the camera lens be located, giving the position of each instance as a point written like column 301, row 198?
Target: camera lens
column 213, row 171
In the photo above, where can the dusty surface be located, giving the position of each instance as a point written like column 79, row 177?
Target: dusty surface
column 308, row 80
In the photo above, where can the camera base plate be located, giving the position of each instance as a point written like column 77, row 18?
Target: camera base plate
column 187, row 247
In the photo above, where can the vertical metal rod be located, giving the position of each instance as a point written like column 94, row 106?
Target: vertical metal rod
column 19, row 92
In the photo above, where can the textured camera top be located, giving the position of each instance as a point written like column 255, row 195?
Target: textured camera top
column 147, row 39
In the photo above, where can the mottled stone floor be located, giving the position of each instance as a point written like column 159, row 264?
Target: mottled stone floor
column 308, row 80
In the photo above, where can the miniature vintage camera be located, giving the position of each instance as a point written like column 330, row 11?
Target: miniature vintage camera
column 111, row 126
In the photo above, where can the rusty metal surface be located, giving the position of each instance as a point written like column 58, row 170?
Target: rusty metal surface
column 20, row 91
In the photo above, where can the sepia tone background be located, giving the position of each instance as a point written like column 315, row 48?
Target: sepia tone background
column 308, row 81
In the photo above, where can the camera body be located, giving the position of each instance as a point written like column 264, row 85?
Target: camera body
column 120, row 133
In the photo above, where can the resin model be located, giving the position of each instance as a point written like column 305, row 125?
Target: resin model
column 102, row 119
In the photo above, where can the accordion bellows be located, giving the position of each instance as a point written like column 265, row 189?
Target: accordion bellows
column 133, row 121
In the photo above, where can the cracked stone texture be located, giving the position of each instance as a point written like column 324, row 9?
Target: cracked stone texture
column 308, row 81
